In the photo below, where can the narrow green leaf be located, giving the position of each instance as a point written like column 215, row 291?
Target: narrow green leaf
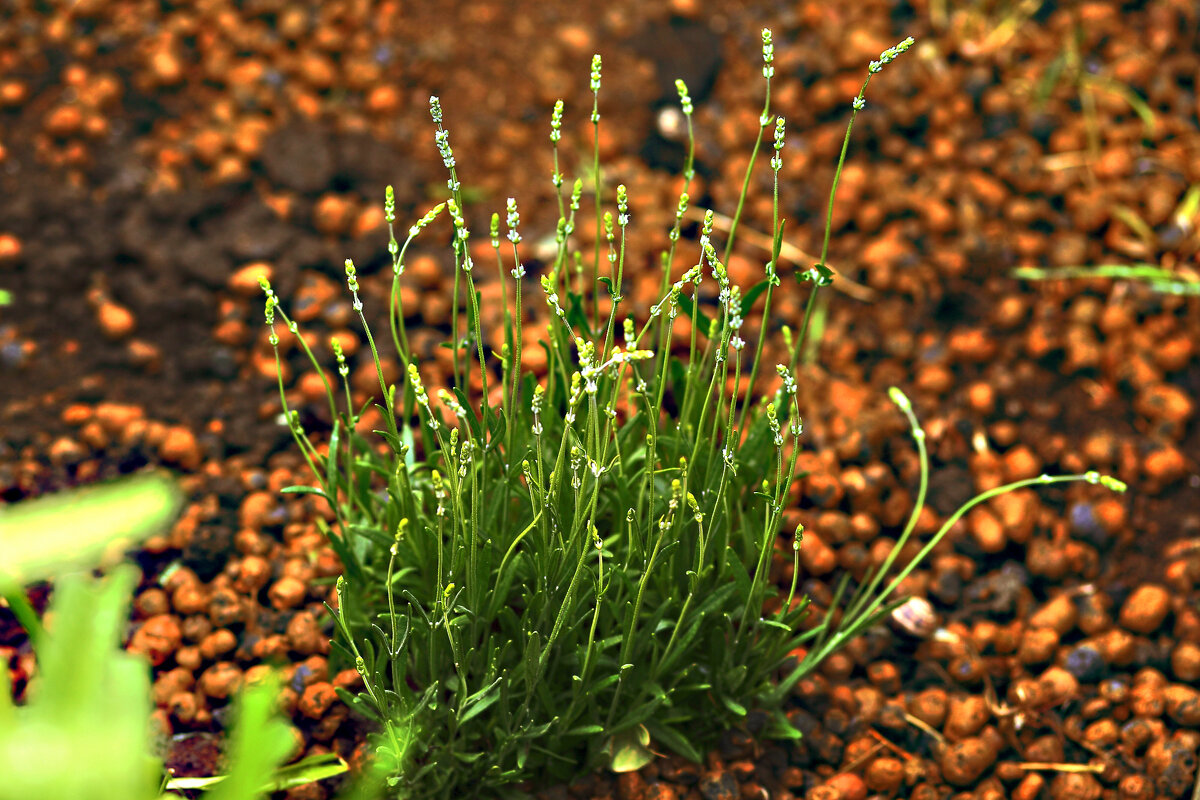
column 304, row 490
column 675, row 740
column 698, row 317
column 753, row 294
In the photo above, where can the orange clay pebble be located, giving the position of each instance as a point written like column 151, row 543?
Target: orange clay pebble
column 10, row 248
column 317, row 699
column 382, row 99
column 253, row 572
column 269, row 647
column 287, row 592
column 312, row 387
column 331, row 214
column 305, row 636
column 930, row 706
column 244, row 281
column 221, row 680
column 13, row 93
column 171, row 681
column 1145, row 609
column 1038, row 646
column 848, row 786
column 217, row 644
column 1182, row 704
column 182, row 706
column 816, row 557
column 64, row 121
column 151, row 603
column 1185, row 661
column 190, row 598
column 369, row 219
column 189, row 657
column 348, row 679
column 116, row 417
column 157, row 638
column 116, row 322
column 885, row 775
column 1164, row 464
column 254, row 509
column 226, row 607
column 1059, row 614
column 963, row 762
column 180, row 447
column 966, row 716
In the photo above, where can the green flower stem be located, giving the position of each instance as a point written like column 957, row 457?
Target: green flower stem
column 596, row 183
column 764, row 119
column 800, row 340
column 776, row 237
column 506, row 373
column 517, row 344
column 918, row 434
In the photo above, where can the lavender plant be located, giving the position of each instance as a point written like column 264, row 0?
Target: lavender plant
column 575, row 574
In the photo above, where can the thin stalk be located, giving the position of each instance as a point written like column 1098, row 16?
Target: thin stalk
column 766, row 312
column 596, row 182
column 764, row 120
column 27, row 618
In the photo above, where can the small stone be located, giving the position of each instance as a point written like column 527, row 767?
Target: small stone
column 317, row 699
column 1164, row 465
column 885, row 775
column 221, row 680
column 1058, row 686
column 848, row 786
column 816, row 557
column 245, row 281
column 190, row 598
column 1185, row 662
column 157, row 638
column 915, row 617
column 304, row 634
column 930, row 706
column 963, row 762
column 1135, row 787
column 718, row 784
column 253, row 572
column 116, row 321
column 180, row 447
column 307, row 791
column 1182, row 704
column 1075, row 786
column 1059, row 614
column 966, row 716
column 1037, row 646
column 217, row 644
column 182, row 706
column 1146, row 609
column 10, row 248
column 287, row 592
column 1030, row 787
column 226, row 607
column 1086, row 663
column 1172, row 765
column 152, row 602
column 64, row 121
column 630, row 786
column 255, row 509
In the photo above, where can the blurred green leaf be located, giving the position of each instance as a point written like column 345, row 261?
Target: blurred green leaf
column 81, row 528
